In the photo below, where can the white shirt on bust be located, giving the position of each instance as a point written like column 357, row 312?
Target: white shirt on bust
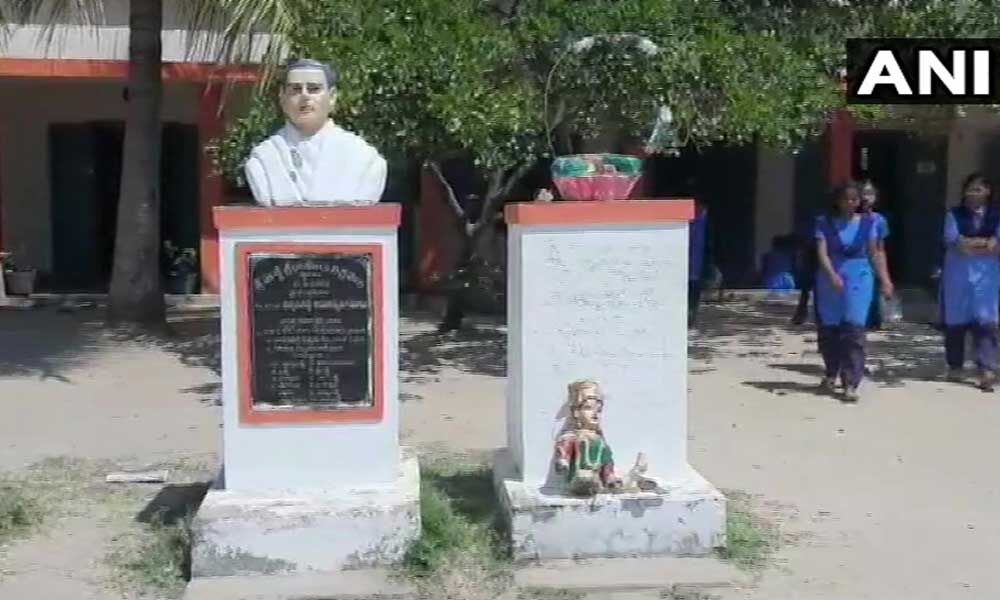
column 331, row 166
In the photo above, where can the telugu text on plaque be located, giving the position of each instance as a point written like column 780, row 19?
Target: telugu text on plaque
column 311, row 326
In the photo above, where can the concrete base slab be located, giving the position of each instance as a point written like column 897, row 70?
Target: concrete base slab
column 360, row 584
column 17, row 302
column 272, row 533
column 684, row 517
column 630, row 574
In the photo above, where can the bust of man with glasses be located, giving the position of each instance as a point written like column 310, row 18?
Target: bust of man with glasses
column 311, row 160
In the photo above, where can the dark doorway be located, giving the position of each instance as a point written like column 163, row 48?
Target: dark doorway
column 179, row 186
column 85, row 175
column 910, row 172
column 878, row 155
column 85, row 160
column 812, row 194
column 725, row 178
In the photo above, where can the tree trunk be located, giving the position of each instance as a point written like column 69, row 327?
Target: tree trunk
column 474, row 234
column 474, row 247
column 454, row 314
column 136, row 297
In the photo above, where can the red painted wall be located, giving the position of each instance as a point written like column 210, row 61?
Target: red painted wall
column 438, row 244
column 211, row 191
column 840, row 146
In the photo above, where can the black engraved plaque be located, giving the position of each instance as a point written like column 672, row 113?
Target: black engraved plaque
column 311, row 331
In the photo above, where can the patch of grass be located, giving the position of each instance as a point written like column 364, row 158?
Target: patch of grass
column 155, row 558
column 467, row 485
column 48, row 491
column 457, row 556
column 750, row 540
column 444, row 534
column 459, row 576
column 20, row 511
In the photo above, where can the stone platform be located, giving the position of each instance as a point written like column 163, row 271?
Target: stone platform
column 685, row 517
column 267, row 533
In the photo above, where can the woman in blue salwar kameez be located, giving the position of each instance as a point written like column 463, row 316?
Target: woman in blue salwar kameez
column 869, row 200
column 971, row 281
column 849, row 262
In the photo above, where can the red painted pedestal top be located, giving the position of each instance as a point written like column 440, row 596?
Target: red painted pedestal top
column 615, row 212
column 378, row 216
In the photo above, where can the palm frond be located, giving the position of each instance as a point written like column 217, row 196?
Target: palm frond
column 50, row 14
column 6, row 24
column 88, row 12
column 241, row 24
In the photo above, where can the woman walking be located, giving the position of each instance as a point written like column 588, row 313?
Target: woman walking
column 869, row 200
column 971, row 280
column 849, row 261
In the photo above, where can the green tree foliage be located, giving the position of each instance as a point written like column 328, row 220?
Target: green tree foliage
column 506, row 82
column 440, row 78
column 421, row 79
column 819, row 28
column 722, row 82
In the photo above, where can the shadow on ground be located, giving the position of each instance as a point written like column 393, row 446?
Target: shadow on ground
column 479, row 348
column 899, row 353
column 757, row 329
column 784, row 388
column 173, row 504
column 754, row 327
column 906, row 351
column 809, row 369
column 46, row 343
column 196, row 340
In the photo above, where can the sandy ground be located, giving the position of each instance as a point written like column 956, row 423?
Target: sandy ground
column 896, row 498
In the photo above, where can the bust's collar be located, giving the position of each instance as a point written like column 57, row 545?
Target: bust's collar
column 291, row 133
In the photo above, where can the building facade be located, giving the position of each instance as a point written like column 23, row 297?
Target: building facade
column 62, row 112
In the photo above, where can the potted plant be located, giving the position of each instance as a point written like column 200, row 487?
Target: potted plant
column 181, row 266
column 18, row 280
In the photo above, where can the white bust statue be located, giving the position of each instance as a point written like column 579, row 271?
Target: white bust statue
column 311, row 160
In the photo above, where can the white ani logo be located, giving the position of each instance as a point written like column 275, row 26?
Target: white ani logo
column 957, row 78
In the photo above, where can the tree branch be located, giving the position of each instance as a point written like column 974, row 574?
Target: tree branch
column 518, row 174
column 506, row 9
column 559, row 129
column 557, row 121
column 452, row 200
column 496, row 182
column 499, row 190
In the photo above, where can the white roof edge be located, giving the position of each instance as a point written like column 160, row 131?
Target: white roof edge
column 111, row 43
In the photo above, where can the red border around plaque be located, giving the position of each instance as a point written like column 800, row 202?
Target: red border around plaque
column 244, row 357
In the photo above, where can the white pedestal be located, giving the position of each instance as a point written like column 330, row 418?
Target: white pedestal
column 598, row 290
column 317, row 451
column 687, row 517
column 308, row 487
column 268, row 533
